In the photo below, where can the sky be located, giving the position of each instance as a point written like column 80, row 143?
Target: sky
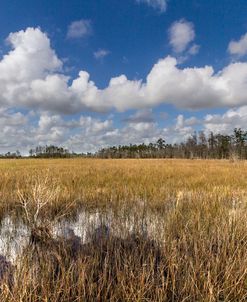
column 87, row 74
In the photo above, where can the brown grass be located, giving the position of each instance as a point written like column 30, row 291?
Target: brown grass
column 196, row 210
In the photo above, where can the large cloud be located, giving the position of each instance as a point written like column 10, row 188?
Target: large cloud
column 31, row 57
column 31, row 77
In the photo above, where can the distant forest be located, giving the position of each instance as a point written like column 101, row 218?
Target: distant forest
column 198, row 145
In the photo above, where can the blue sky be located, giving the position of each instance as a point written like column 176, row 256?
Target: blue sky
column 88, row 74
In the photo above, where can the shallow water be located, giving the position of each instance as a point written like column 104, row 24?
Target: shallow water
column 14, row 235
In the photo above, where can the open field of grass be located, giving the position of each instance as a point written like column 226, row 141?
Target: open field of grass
column 156, row 230
column 103, row 183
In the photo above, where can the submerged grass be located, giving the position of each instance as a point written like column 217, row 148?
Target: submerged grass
column 176, row 231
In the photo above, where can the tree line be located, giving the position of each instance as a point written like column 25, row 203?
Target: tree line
column 198, row 145
column 52, row 151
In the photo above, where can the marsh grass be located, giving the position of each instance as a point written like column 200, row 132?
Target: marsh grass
column 177, row 230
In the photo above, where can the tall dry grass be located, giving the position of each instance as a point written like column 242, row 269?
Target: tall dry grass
column 177, row 232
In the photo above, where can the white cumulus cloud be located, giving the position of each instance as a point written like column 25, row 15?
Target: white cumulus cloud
column 31, row 77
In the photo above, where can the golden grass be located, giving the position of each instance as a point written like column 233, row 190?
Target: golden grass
column 94, row 182
column 197, row 250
